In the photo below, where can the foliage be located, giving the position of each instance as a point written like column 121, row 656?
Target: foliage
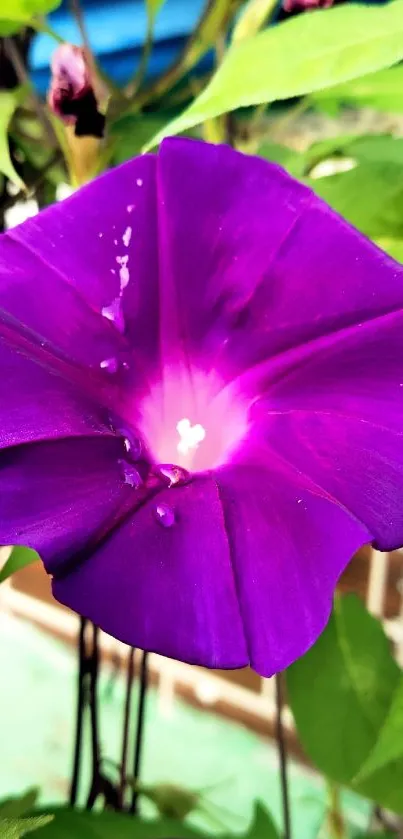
column 18, row 559
column 14, row 821
column 346, row 695
column 15, row 13
column 64, row 823
column 332, row 47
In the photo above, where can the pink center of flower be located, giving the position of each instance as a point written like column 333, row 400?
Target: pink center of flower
column 192, row 420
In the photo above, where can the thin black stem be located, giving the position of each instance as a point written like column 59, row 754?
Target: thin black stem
column 139, row 737
column 282, row 751
column 31, row 190
column 126, row 726
column 93, row 664
column 21, row 72
column 76, row 11
column 80, row 714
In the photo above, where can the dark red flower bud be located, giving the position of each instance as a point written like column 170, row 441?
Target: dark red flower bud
column 71, row 95
column 300, row 5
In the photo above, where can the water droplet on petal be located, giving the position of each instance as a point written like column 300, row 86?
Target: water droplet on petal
column 130, row 208
column 111, row 365
column 175, row 475
column 114, row 313
column 139, row 181
column 131, row 475
column 127, row 236
column 165, row 515
column 132, row 445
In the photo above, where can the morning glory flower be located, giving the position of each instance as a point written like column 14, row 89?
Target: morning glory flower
column 201, row 403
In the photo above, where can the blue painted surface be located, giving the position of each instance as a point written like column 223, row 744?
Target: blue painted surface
column 117, row 29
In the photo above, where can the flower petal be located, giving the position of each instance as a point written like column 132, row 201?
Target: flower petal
column 223, row 217
column 89, row 253
column 289, row 545
column 55, row 496
column 166, row 589
column 254, row 264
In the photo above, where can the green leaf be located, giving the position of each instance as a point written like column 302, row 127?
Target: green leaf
column 290, row 159
column 17, row 13
column 108, row 825
column 9, row 101
column 252, row 18
column 14, row 807
column 19, row 558
column 389, row 745
column 300, row 55
column 341, row 693
column 70, row 823
column 14, row 828
column 130, row 133
column 393, row 247
column 381, row 90
column 370, row 196
column 262, row 825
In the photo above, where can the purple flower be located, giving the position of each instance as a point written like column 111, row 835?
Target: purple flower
column 201, row 403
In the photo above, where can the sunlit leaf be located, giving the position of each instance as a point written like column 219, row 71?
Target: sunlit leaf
column 306, row 53
column 17, row 13
column 9, row 101
column 15, row 828
column 393, row 247
column 341, row 693
column 370, row 196
column 381, row 90
column 18, row 559
column 252, row 18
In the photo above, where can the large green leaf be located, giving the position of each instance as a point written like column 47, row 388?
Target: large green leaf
column 300, row 55
column 19, row 558
column 389, row 745
column 341, row 692
column 108, row 825
column 370, row 196
column 381, row 90
column 9, row 101
column 17, row 13
column 69, row 823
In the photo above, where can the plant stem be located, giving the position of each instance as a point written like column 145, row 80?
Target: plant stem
column 282, row 751
column 80, row 714
column 139, row 731
column 23, row 77
column 335, row 820
column 126, row 727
